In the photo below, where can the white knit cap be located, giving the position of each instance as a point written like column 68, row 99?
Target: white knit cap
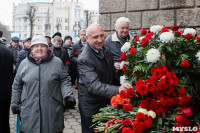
column 39, row 39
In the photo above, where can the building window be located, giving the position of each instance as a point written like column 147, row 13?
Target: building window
column 25, row 35
column 76, row 23
column 47, row 20
column 60, row 27
column 58, row 20
column 66, row 20
column 66, row 11
column 25, row 19
column 39, row 19
column 39, row 27
column 25, row 27
column 59, row 11
column 77, row 13
column 66, row 27
column 20, row 20
column 41, row 9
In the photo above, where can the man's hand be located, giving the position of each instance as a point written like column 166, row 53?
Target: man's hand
column 124, row 87
column 117, row 65
column 16, row 110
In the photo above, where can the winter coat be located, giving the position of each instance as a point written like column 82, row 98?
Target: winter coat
column 61, row 53
column 68, row 49
column 75, row 51
column 6, row 72
column 22, row 55
column 12, row 49
column 96, row 72
column 39, row 88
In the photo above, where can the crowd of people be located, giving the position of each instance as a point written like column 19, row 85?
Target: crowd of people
column 38, row 78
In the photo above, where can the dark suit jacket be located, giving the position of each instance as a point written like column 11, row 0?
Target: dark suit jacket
column 96, row 72
column 6, row 72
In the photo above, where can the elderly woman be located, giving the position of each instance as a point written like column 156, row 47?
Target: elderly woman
column 115, row 42
column 38, row 90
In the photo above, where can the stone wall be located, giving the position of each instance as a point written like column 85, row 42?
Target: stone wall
column 145, row 13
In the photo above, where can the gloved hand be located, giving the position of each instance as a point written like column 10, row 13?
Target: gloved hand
column 69, row 102
column 16, row 109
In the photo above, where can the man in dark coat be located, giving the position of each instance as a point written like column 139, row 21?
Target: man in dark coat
column 76, row 49
column 6, row 80
column 22, row 54
column 96, row 72
column 15, row 48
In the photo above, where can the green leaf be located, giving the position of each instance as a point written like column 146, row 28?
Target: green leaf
column 160, row 121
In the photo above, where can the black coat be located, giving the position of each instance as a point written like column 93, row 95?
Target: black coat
column 61, row 53
column 11, row 48
column 6, row 72
column 96, row 72
column 22, row 55
column 75, row 51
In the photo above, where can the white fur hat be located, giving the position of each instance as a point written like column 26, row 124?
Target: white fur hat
column 39, row 39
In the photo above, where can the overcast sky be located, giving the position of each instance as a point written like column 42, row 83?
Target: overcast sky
column 6, row 9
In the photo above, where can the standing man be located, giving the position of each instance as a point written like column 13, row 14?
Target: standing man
column 76, row 49
column 116, row 41
column 96, row 71
column 6, row 80
column 48, row 38
column 22, row 54
column 15, row 48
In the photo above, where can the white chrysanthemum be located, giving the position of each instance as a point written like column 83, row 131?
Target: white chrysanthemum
column 123, row 79
column 167, row 37
column 189, row 30
column 126, row 47
column 156, row 29
column 153, row 55
column 141, row 38
column 142, row 110
column 198, row 56
column 152, row 114
column 123, row 63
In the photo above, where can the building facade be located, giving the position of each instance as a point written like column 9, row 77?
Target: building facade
column 47, row 17
column 145, row 13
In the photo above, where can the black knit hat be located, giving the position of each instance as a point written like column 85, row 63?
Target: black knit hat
column 57, row 34
column 48, row 37
column 27, row 39
column 67, row 37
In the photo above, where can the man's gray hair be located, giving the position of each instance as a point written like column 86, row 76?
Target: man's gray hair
column 120, row 20
column 82, row 30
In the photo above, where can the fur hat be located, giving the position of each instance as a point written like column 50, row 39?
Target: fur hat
column 39, row 39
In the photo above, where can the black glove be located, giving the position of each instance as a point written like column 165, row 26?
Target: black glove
column 15, row 109
column 69, row 102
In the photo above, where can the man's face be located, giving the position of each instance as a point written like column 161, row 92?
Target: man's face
column 15, row 44
column 123, row 29
column 27, row 43
column 57, row 44
column 48, row 40
column 68, row 42
column 96, row 37
column 83, row 36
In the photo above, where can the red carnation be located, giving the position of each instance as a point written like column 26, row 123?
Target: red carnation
column 169, row 90
column 126, row 130
column 144, row 103
column 144, row 42
column 174, row 28
column 124, row 68
column 198, row 39
column 132, row 51
column 163, row 68
column 127, row 107
column 178, row 34
column 158, row 73
column 162, row 85
column 139, row 82
column 187, row 111
column 123, row 94
column 151, row 86
column 139, row 116
column 127, row 122
column 182, row 91
column 137, row 38
column 130, row 92
column 142, row 89
column 76, row 53
column 149, row 35
column 180, row 118
column 188, row 36
column 153, row 78
column 164, row 29
column 123, row 56
column 143, row 31
column 185, row 64
column 76, row 87
column 67, row 63
column 181, row 31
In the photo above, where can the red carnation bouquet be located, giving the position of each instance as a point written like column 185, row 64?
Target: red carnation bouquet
column 163, row 66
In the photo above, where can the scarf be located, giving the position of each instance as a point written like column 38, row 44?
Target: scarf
column 123, row 40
